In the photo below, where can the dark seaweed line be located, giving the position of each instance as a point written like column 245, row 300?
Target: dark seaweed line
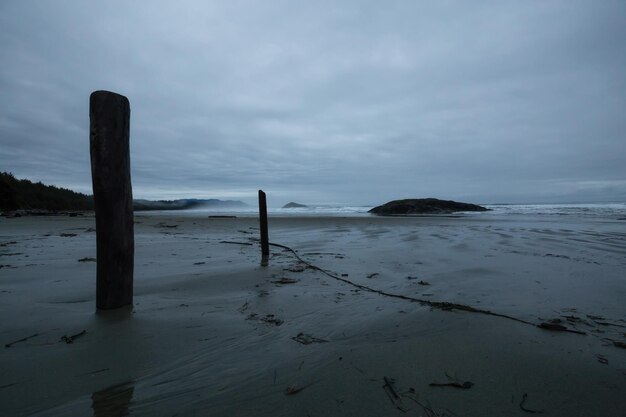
column 442, row 305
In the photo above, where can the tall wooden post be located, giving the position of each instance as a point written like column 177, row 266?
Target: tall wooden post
column 265, row 246
column 109, row 116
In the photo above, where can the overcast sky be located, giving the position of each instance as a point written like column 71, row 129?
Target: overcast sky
column 355, row 102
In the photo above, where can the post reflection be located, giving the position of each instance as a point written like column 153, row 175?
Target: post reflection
column 113, row 401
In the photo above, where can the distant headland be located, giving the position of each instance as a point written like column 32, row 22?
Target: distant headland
column 424, row 206
column 36, row 198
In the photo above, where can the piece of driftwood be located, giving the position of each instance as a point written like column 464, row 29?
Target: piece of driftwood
column 70, row 339
column 411, row 394
column 268, row 318
column 8, row 345
column 391, row 392
column 528, row 410
column 555, row 327
column 236, row 243
column 285, row 280
column 294, row 389
column 243, row 307
column 307, row 339
column 464, row 385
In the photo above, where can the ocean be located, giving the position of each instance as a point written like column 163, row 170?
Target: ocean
column 607, row 211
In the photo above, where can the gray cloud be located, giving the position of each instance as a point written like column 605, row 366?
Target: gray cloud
column 348, row 102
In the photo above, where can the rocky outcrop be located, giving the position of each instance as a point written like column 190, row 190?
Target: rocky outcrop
column 424, row 206
column 294, row 205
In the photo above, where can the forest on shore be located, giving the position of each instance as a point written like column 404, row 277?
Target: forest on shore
column 16, row 194
column 25, row 195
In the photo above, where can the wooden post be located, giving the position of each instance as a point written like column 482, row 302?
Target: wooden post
column 265, row 246
column 109, row 116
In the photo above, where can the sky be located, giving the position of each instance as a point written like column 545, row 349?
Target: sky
column 337, row 102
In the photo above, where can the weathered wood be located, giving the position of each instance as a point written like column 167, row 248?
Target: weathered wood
column 109, row 115
column 265, row 246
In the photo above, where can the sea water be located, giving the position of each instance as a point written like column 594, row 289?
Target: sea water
column 612, row 211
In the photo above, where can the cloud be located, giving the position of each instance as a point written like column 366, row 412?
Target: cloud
column 352, row 102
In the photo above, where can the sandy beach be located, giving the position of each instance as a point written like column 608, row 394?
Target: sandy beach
column 213, row 332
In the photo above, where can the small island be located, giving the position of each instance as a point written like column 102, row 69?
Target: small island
column 294, row 205
column 424, row 206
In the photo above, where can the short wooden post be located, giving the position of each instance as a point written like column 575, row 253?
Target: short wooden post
column 109, row 115
column 265, row 246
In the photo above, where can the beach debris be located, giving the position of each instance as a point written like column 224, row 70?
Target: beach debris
column 528, row 410
column 285, row 280
column 344, row 275
column 8, row 345
column 390, row 390
column 3, row 244
column 619, row 344
column 421, row 282
column 97, row 371
column 243, row 307
column 268, row 318
column 322, row 254
column 556, row 327
column 165, row 225
column 70, row 339
column 199, row 263
column 454, row 382
column 271, row 319
column 375, row 274
column 68, row 234
column 236, row 243
column 556, row 256
column 602, row 359
column 87, row 259
column 294, row 389
column 464, row 385
column 411, row 394
column 307, row 339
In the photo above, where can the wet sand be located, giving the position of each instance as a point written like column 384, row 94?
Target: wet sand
column 213, row 332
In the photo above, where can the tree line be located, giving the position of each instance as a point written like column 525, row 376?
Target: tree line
column 16, row 194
